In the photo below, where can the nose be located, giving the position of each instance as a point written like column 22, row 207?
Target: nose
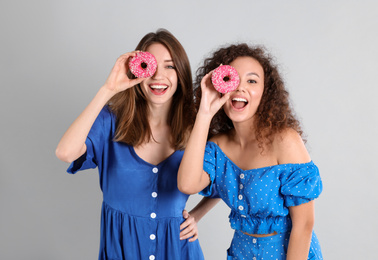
column 158, row 73
column 240, row 88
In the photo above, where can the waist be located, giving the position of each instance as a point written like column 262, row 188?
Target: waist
column 151, row 212
column 254, row 224
column 260, row 235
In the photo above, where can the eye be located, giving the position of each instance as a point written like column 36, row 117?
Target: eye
column 171, row 67
column 252, row 81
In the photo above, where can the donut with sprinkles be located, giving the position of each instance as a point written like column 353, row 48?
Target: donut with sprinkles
column 225, row 79
column 143, row 65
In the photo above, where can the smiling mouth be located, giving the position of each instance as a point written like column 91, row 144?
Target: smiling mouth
column 158, row 89
column 239, row 103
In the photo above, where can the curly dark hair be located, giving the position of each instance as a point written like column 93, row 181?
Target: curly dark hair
column 274, row 113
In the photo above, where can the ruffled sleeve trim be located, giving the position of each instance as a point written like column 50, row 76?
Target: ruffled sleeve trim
column 86, row 161
column 301, row 184
column 100, row 133
column 209, row 166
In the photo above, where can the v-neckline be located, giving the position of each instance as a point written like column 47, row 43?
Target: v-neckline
column 148, row 163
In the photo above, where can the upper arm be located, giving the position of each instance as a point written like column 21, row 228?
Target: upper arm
column 83, row 150
column 205, row 180
column 290, row 148
column 303, row 215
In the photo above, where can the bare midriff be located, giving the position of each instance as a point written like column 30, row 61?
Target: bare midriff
column 261, row 235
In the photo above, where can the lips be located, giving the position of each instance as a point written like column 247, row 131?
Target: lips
column 158, row 89
column 239, row 103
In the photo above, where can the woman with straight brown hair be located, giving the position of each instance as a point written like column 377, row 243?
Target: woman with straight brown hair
column 134, row 132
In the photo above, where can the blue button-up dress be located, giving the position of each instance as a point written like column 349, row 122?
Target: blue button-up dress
column 142, row 206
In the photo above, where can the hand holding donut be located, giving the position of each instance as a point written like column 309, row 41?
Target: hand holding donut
column 211, row 99
column 118, row 80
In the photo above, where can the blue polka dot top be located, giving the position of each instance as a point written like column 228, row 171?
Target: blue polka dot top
column 259, row 198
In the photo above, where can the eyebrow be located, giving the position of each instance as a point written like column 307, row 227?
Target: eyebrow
column 168, row 60
column 253, row 73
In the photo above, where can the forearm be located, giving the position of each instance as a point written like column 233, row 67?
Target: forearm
column 190, row 177
column 303, row 218
column 204, row 206
column 72, row 144
column 299, row 243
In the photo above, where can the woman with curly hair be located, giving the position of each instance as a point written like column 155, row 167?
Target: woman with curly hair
column 248, row 145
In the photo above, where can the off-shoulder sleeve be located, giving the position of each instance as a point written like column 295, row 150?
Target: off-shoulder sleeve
column 97, row 136
column 209, row 166
column 301, row 183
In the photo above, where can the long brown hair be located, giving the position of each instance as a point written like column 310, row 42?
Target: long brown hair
column 131, row 109
column 274, row 113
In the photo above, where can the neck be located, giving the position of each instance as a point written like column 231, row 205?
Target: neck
column 244, row 133
column 158, row 115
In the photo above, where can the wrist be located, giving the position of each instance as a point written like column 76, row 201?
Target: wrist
column 194, row 215
column 107, row 92
column 204, row 117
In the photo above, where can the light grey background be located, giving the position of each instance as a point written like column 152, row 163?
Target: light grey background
column 55, row 55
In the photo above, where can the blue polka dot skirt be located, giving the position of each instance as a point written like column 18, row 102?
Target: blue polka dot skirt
column 244, row 247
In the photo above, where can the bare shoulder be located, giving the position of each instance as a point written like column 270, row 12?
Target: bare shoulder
column 289, row 147
column 219, row 139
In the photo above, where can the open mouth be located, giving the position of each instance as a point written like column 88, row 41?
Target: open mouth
column 158, row 89
column 239, row 103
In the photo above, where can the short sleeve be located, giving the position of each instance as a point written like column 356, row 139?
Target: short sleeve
column 209, row 166
column 95, row 142
column 301, row 184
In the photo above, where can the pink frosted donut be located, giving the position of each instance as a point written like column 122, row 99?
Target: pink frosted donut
column 143, row 65
column 225, row 79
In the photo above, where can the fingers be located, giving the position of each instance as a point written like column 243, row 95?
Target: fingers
column 190, row 232
column 185, row 214
column 206, row 81
column 128, row 55
column 186, row 223
column 136, row 81
column 188, row 228
column 125, row 57
column 194, row 238
column 225, row 97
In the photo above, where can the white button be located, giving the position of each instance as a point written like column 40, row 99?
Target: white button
column 242, row 176
column 240, row 207
column 153, row 215
column 240, row 197
column 155, row 170
column 253, row 258
column 154, row 194
column 152, row 237
column 241, row 186
column 152, row 257
column 254, row 240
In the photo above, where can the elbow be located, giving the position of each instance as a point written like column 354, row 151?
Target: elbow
column 187, row 189
column 308, row 223
column 306, row 226
column 64, row 155
column 309, row 226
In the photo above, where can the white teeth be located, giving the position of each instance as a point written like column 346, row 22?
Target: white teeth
column 240, row 99
column 158, row 86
